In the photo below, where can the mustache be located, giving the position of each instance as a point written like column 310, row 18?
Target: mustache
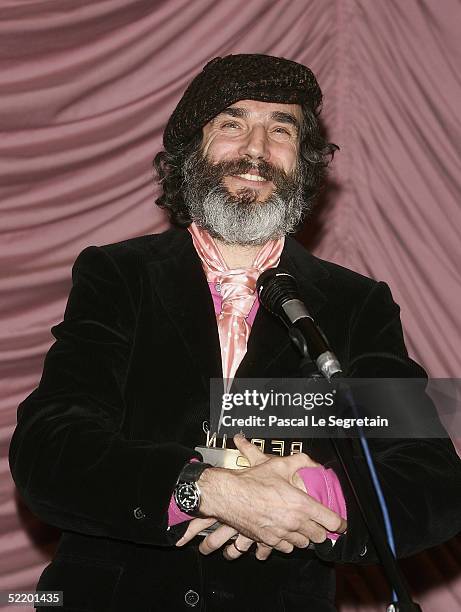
column 266, row 170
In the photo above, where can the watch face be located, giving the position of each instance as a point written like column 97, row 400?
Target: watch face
column 187, row 496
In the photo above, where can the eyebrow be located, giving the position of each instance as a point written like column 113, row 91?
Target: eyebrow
column 280, row 116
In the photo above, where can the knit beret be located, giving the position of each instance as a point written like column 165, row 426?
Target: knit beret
column 225, row 80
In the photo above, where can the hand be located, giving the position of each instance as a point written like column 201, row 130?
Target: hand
column 224, row 533
column 264, row 504
column 242, row 544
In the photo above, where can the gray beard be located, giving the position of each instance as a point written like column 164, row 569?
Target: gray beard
column 240, row 219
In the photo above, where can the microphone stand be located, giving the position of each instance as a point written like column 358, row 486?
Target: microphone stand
column 278, row 292
column 362, row 487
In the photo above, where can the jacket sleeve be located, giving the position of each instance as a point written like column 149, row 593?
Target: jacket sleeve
column 420, row 478
column 68, row 456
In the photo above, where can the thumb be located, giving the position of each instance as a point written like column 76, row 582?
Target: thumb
column 251, row 451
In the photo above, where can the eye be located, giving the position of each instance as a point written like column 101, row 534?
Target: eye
column 283, row 134
column 231, row 124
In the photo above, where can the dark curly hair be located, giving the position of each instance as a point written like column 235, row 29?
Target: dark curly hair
column 314, row 151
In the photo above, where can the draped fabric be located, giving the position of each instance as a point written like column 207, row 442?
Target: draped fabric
column 85, row 91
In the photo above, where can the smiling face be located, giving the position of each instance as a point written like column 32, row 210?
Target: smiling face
column 256, row 141
column 243, row 184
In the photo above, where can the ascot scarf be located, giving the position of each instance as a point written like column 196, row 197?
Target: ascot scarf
column 237, row 288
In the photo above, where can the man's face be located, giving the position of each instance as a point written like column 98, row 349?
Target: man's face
column 257, row 139
column 244, row 184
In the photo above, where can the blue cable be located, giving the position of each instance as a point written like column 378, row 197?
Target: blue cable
column 376, row 484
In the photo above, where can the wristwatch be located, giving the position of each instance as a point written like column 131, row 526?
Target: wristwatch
column 186, row 493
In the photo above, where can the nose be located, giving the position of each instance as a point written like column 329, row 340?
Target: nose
column 255, row 145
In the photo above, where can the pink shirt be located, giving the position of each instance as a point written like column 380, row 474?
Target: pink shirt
column 321, row 484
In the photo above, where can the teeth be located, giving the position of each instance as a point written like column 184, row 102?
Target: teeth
column 251, row 177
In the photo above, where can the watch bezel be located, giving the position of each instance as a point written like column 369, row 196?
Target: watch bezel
column 186, row 505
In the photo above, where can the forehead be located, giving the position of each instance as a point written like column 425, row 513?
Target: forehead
column 266, row 110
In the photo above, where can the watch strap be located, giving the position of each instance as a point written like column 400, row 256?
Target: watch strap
column 192, row 471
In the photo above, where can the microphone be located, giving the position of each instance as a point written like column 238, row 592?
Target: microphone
column 278, row 293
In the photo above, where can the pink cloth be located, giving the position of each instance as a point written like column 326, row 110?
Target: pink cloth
column 321, row 483
column 237, row 288
column 175, row 515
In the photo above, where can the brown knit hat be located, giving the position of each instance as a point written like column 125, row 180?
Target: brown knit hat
column 225, row 80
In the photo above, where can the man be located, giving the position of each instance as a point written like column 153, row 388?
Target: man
column 104, row 447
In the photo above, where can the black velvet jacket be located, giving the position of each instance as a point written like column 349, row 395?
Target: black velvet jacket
column 120, row 406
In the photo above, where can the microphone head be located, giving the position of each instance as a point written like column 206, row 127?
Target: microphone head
column 275, row 287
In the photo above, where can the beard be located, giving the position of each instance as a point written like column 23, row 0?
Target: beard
column 241, row 219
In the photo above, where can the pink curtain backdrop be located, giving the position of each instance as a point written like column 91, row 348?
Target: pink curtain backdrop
column 86, row 89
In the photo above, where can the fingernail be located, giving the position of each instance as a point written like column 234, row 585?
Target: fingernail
column 180, row 542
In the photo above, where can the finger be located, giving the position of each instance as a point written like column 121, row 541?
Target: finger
column 300, row 540
column 313, row 532
column 263, row 551
column 215, row 540
column 194, row 528
column 320, row 514
column 325, row 517
column 284, row 547
column 239, row 546
column 300, row 460
column 316, row 533
column 251, row 451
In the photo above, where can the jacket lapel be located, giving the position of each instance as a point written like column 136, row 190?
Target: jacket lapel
column 186, row 298
column 269, row 347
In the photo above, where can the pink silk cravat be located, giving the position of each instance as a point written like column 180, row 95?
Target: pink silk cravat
column 238, row 291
